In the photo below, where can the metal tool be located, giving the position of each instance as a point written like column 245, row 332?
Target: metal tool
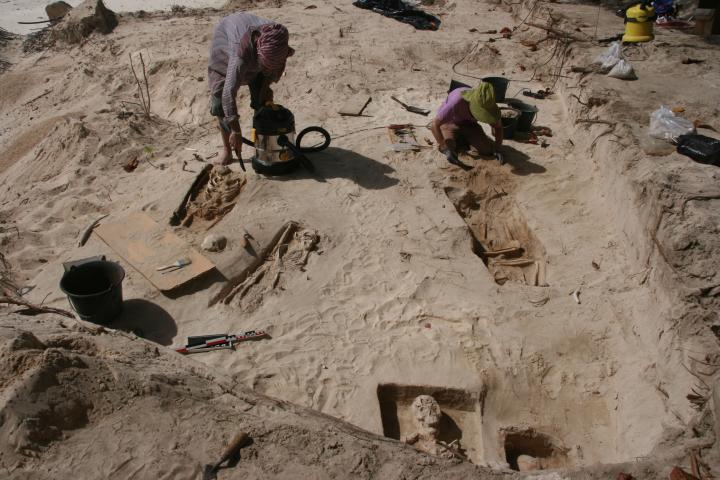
column 88, row 231
column 420, row 111
column 208, row 343
column 500, row 157
column 238, row 441
column 176, row 265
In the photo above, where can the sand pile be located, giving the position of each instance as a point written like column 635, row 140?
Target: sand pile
column 557, row 306
column 83, row 401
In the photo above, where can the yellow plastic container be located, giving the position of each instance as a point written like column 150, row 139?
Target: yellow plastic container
column 639, row 24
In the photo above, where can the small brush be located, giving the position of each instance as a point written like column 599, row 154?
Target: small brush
column 180, row 263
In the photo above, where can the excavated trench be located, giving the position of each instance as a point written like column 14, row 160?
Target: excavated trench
column 501, row 235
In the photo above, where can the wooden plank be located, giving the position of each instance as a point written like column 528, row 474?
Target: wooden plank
column 355, row 105
column 145, row 245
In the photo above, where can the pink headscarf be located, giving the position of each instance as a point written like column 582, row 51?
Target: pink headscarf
column 272, row 47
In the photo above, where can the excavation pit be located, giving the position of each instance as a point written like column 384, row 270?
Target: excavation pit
column 527, row 449
column 211, row 196
column 459, row 424
column 285, row 256
column 501, row 236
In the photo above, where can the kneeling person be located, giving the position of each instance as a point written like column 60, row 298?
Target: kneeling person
column 456, row 126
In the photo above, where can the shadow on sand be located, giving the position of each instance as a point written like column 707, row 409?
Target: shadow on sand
column 519, row 161
column 147, row 320
column 340, row 163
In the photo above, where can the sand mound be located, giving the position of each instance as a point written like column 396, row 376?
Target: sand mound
column 70, row 390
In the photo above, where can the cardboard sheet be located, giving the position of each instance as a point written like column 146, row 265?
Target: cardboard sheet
column 145, row 245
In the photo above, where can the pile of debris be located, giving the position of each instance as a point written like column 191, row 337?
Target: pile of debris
column 79, row 22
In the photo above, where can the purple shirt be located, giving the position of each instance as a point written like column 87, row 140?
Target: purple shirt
column 455, row 110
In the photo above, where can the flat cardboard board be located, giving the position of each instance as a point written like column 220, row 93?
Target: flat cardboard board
column 355, row 105
column 145, row 245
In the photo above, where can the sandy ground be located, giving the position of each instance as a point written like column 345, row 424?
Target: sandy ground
column 393, row 294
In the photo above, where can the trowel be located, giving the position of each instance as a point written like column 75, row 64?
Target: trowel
column 500, row 157
column 239, row 441
column 420, row 111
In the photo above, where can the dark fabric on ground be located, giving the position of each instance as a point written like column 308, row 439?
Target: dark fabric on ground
column 401, row 12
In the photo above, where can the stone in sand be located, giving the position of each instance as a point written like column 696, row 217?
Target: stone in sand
column 526, row 463
column 56, row 10
column 88, row 17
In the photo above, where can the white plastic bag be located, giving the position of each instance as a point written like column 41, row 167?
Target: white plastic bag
column 655, row 146
column 610, row 57
column 664, row 124
column 623, row 70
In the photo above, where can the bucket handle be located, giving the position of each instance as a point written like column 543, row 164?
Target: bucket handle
column 77, row 263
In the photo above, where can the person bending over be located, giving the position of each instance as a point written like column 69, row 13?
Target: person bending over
column 245, row 50
column 456, row 126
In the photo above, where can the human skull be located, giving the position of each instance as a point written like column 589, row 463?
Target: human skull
column 214, row 243
column 427, row 413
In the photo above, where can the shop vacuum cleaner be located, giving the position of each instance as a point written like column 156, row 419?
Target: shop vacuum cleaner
column 277, row 150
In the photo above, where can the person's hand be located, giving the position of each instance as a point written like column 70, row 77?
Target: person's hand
column 236, row 143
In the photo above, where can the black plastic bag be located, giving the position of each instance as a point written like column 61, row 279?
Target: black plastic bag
column 401, row 12
column 700, row 148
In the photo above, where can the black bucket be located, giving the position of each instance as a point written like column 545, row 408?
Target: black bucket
column 509, row 122
column 500, row 85
column 527, row 114
column 454, row 85
column 94, row 290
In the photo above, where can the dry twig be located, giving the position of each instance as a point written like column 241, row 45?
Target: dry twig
column 559, row 33
column 145, row 101
column 31, row 309
column 595, row 121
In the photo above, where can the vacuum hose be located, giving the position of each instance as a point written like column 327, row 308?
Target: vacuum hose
column 303, row 132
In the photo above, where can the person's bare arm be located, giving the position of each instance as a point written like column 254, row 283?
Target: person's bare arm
column 435, row 128
column 229, row 105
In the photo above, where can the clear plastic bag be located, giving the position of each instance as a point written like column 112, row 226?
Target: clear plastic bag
column 655, row 146
column 610, row 57
column 664, row 124
column 623, row 70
